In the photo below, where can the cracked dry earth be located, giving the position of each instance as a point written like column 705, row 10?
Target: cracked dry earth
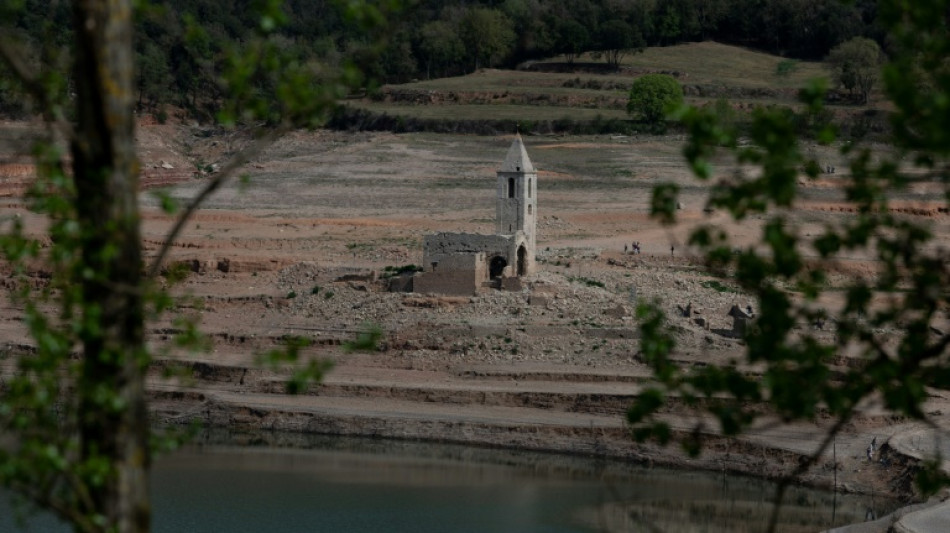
column 302, row 246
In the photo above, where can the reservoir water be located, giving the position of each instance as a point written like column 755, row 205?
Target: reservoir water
column 320, row 484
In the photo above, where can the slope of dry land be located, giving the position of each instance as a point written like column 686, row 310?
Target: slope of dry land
column 302, row 249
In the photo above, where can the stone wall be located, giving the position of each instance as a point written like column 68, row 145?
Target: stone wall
column 441, row 245
column 456, row 274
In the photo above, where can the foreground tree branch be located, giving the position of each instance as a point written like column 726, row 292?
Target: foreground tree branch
column 113, row 420
column 885, row 323
column 265, row 139
column 76, row 435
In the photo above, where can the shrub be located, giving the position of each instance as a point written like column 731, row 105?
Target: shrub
column 589, row 282
column 652, row 96
column 390, row 271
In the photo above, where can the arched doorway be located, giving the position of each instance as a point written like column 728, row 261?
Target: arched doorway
column 522, row 260
column 497, row 266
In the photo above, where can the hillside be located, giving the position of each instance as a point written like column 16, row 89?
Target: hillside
column 553, row 95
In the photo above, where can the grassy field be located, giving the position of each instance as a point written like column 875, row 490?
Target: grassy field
column 710, row 63
column 493, row 112
column 747, row 76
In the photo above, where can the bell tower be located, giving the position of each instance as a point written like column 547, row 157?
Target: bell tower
column 516, row 205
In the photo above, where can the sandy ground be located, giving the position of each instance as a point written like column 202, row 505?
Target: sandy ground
column 293, row 251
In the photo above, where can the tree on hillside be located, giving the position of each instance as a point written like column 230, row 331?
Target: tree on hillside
column 616, row 38
column 76, row 439
column 439, row 46
column 652, row 96
column 885, row 328
column 153, row 76
column 856, row 65
column 488, row 35
column 574, row 39
column 708, row 16
column 826, row 24
column 678, row 20
column 535, row 35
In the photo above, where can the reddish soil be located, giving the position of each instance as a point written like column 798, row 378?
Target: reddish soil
column 301, row 249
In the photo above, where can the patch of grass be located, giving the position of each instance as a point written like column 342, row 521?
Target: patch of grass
column 493, row 112
column 786, row 67
column 390, row 270
column 315, row 289
column 291, row 294
column 328, row 295
column 721, row 64
column 718, row 286
column 587, row 281
column 706, row 63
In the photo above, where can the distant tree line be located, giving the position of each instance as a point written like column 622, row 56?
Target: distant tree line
column 800, row 29
column 181, row 43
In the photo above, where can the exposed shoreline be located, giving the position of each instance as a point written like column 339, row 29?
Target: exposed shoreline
column 767, row 454
column 551, row 366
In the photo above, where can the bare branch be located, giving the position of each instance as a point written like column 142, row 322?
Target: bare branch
column 216, row 182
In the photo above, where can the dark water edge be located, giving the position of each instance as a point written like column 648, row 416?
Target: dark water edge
column 235, row 482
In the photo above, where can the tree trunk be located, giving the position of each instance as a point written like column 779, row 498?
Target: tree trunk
column 113, row 419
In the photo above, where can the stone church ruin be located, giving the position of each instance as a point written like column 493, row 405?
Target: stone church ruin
column 464, row 263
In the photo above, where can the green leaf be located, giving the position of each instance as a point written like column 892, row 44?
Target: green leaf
column 663, row 203
column 366, row 341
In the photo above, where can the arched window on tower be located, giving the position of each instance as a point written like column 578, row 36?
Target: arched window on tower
column 511, row 187
column 529, row 188
column 529, row 209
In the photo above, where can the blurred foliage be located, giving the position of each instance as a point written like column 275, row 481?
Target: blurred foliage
column 887, row 320
column 76, row 435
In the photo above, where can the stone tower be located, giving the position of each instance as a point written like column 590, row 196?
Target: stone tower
column 517, row 205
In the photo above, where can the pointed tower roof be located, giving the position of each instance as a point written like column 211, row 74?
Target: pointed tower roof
column 517, row 159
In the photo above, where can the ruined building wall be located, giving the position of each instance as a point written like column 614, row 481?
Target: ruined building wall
column 441, row 245
column 459, row 274
column 460, row 263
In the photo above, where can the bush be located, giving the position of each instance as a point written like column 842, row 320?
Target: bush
column 855, row 65
column 390, row 270
column 587, row 281
column 652, row 96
